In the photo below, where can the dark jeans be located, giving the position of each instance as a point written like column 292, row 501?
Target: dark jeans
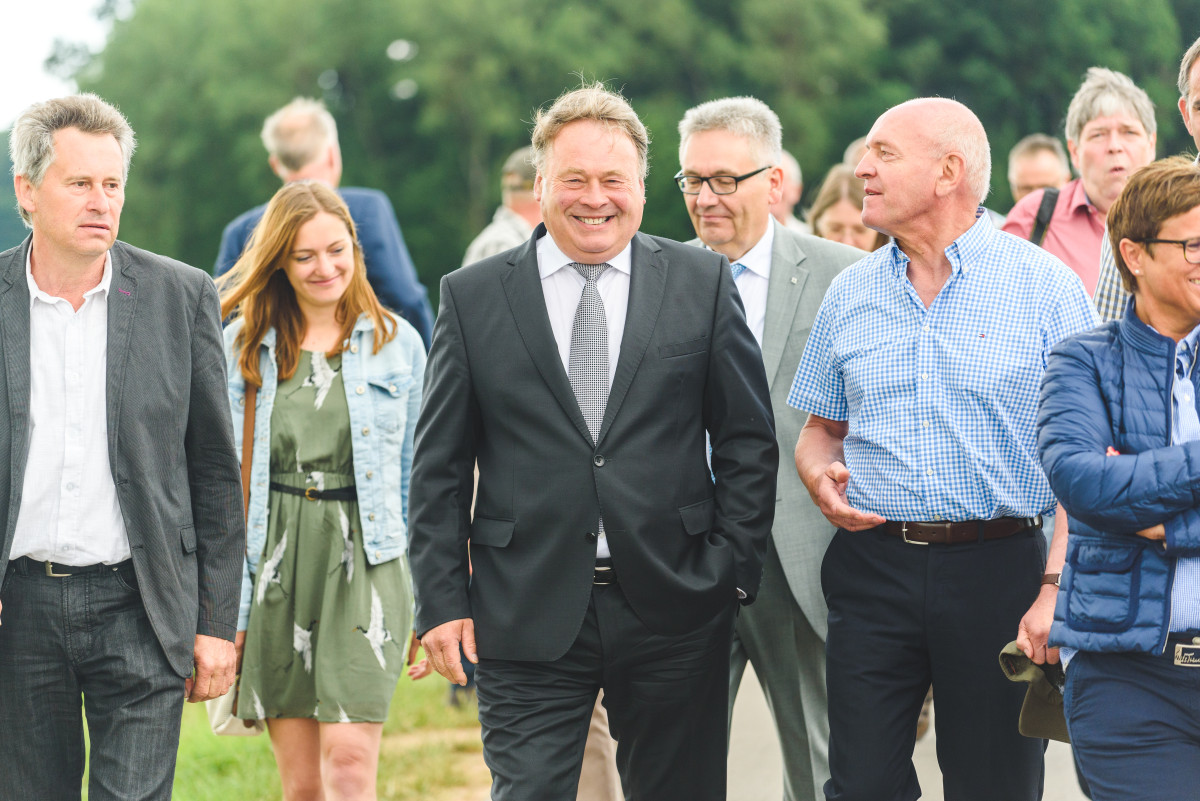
column 903, row 616
column 86, row 635
column 666, row 698
column 1134, row 721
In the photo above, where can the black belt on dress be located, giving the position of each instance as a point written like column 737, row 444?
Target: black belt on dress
column 313, row 494
column 924, row 533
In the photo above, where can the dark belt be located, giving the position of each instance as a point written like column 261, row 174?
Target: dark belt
column 29, row 567
column 922, row 533
column 604, row 573
column 314, row 494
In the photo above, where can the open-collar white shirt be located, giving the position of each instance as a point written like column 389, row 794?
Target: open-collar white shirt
column 69, row 510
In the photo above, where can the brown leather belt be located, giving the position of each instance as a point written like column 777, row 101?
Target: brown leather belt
column 923, row 533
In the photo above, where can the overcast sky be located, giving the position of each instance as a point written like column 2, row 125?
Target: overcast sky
column 30, row 28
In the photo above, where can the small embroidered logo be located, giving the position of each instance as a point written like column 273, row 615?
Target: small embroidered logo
column 125, row 292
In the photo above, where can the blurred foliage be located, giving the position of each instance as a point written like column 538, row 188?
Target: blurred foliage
column 431, row 126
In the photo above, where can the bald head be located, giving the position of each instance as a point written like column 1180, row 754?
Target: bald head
column 950, row 127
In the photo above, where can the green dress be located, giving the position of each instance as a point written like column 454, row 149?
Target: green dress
column 328, row 632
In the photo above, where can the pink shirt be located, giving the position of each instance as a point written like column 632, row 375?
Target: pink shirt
column 1075, row 232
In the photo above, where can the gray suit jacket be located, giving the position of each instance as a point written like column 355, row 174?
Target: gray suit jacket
column 496, row 394
column 802, row 268
column 170, row 441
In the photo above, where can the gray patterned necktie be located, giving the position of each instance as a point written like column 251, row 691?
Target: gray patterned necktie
column 587, row 366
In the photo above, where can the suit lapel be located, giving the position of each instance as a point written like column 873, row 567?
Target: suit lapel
column 523, row 288
column 122, row 303
column 14, row 339
column 647, row 284
column 784, row 288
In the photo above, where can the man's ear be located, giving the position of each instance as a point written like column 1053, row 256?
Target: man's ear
column 277, row 168
column 23, row 189
column 953, row 173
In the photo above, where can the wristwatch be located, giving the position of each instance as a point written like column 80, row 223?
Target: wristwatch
column 1052, row 578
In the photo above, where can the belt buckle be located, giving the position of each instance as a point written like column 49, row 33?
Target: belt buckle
column 904, row 535
column 50, row 571
column 597, row 570
column 1187, row 655
column 310, row 494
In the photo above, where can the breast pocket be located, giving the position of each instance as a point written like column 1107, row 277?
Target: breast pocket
column 1106, row 580
column 389, row 399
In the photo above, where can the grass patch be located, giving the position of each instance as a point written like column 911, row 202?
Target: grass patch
column 424, row 750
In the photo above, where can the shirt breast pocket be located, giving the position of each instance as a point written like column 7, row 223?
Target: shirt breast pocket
column 389, row 399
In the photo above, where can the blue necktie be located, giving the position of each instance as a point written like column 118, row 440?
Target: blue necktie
column 737, row 268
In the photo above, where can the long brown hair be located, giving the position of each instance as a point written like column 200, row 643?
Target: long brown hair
column 258, row 291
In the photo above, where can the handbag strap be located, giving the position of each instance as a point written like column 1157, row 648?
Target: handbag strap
column 248, row 445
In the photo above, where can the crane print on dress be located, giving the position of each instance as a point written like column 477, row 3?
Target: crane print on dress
column 302, row 644
column 270, row 569
column 321, row 377
column 347, row 545
column 377, row 633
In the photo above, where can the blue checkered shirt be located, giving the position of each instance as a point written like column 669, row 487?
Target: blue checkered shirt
column 1185, row 427
column 941, row 402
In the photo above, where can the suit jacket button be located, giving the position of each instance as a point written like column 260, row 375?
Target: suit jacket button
column 598, row 460
column 590, row 536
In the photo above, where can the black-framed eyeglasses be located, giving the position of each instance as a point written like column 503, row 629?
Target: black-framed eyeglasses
column 1191, row 247
column 719, row 184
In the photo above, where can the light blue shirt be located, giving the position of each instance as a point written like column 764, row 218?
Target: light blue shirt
column 383, row 393
column 941, row 402
column 1185, row 427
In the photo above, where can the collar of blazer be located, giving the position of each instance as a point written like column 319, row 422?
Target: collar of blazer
column 523, row 289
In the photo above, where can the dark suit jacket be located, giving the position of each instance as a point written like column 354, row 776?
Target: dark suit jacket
column 496, row 392
column 390, row 269
column 170, row 442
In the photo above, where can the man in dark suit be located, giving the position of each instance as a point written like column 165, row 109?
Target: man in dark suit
column 302, row 144
column 582, row 371
column 730, row 174
column 119, row 491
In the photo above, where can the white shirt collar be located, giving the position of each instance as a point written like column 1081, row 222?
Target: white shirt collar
column 36, row 293
column 551, row 259
column 758, row 258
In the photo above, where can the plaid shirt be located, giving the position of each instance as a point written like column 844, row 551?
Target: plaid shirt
column 1111, row 294
column 941, row 402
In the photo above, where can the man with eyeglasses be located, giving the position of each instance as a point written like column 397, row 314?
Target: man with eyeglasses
column 1111, row 295
column 921, row 378
column 781, row 276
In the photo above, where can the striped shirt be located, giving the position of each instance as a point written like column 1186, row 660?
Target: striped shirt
column 941, row 402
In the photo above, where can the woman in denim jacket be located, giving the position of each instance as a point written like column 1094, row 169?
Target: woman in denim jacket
column 326, row 597
column 1119, row 437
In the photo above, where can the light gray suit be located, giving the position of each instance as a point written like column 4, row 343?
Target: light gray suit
column 783, row 632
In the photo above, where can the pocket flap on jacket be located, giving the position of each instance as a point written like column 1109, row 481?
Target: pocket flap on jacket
column 493, row 532
column 1105, row 556
column 187, row 538
column 673, row 349
column 393, row 385
column 698, row 517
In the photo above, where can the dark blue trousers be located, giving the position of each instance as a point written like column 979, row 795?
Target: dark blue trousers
column 85, row 635
column 1134, row 721
column 903, row 616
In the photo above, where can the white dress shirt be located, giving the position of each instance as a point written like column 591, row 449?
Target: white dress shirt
column 754, row 281
column 562, row 286
column 69, row 510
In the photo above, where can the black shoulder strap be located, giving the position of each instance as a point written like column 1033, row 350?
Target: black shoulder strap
column 1045, row 211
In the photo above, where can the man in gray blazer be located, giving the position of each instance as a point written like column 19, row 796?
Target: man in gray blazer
column 582, row 370
column 730, row 154
column 123, row 536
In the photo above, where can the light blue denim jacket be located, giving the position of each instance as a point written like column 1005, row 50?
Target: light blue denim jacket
column 383, row 391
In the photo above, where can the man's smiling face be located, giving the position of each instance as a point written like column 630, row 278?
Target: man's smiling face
column 591, row 191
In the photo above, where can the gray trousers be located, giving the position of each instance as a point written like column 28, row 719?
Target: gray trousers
column 789, row 659
column 84, row 635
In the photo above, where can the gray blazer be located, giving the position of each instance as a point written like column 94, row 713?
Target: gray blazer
column 496, row 394
column 802, row 267
column 170, row 442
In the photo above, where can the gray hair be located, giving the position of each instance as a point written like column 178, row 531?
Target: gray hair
column 1103, row 93
column 31, row 142
column 1185, row 68
column 299, row 132
column 747, row 117
column 791, row 168
column 1033, row 144
column 592, row 102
